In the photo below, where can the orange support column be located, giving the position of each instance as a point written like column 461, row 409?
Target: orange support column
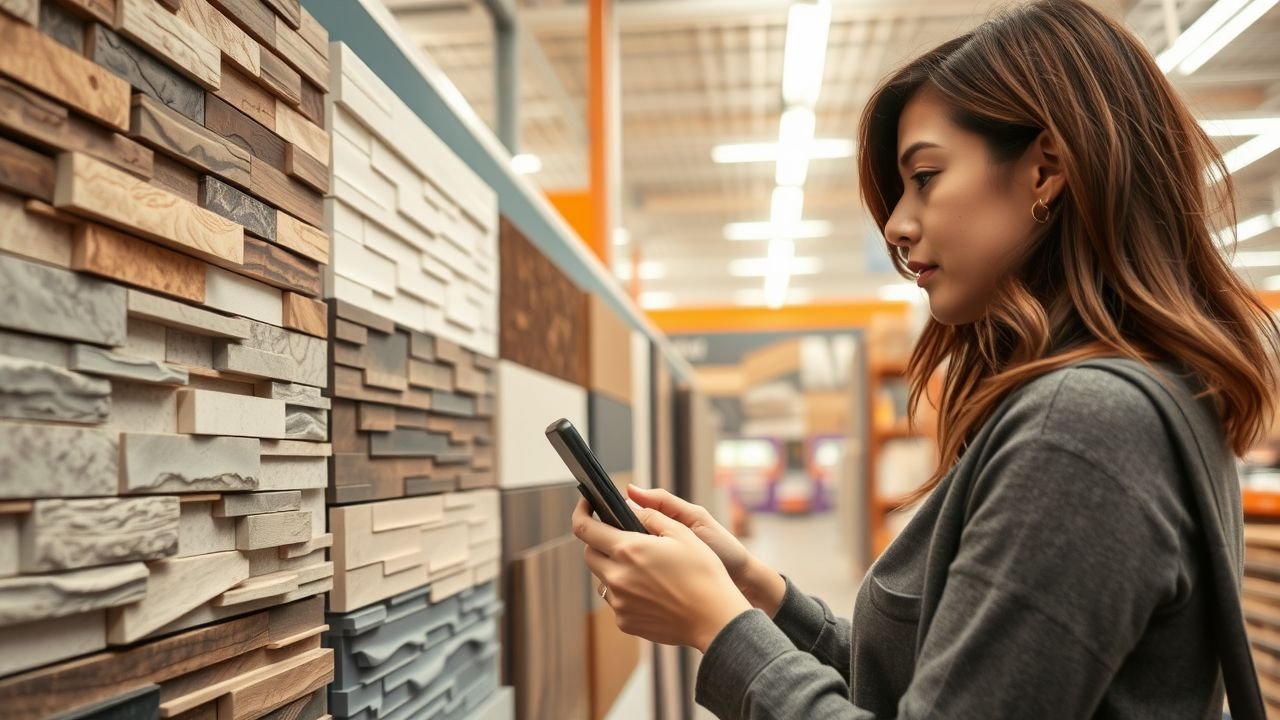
column 602, row 124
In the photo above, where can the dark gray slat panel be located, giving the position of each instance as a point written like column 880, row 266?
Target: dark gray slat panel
column 611, row 435
column 145, row 73
column 412, row 442
column 535, row 516
column 257, row 217
column 140, row 704
column 445, row 403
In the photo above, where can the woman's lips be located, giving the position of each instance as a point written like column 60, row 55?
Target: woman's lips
column 924, row 274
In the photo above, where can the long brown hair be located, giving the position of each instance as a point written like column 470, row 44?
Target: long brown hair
column 1126, row 266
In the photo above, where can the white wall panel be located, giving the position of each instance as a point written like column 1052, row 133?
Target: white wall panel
column 529, row 401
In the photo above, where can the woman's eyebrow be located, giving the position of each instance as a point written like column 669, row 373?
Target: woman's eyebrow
column 915, row 147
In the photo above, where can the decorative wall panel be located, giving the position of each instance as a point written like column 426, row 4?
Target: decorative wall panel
column 163, row 454
column 382, row 549
column 415, row 230
column 529, row 402
column 412, row 414
column 542, row 313
column 411, row 656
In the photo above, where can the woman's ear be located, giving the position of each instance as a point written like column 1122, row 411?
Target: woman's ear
column 1046, row 166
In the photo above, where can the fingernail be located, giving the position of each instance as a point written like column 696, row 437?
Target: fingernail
column 634, row 505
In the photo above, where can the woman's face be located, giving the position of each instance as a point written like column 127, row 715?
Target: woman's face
column 962, row 220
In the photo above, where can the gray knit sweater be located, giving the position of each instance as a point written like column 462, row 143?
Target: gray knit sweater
column 1058, row 571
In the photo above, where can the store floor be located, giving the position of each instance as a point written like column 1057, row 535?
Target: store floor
column 807, row 549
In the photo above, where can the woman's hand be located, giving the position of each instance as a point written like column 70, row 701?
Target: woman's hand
column 763, row 587
column 668, row 587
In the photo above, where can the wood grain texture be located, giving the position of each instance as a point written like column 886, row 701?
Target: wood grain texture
column 286, row 193
column 257, row 218
column 69, row 534
column 306, row 169
column 279, row 267
column 279, row 78
column 609, row 351
column 315, row 34
column 25, row 171
column 185, row 317
column 254, row 532
column 56, row 302
column 35, row 117
column 51, row 690
column 92, row 188
column 284, row 683
column 244, row 131
column 33, row 236
column 204, row 412
column 253, row 16
column 176, row 586
column 246, row 95
column 312, row 105
column 108, row 253
column 290, row 11
column 306, row 315
column 63, row 26
column 28, row 11
column 301, row 55
column 548, row 652
column 168, row 131
column 175, row 177
column 144, row 72
column 103, row 11
column 172, row 39
column 39, row 62
column 235, row 44
column 542, row 314
column 306, row 240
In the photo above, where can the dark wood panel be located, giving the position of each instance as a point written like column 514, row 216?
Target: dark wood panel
column 175, row 177
column 145, row 73
column 280, row 79
column 230, row 123
column 535, row 516
column 26, row 172
column 168, row 131
column 34, row 117
column 542, row 314
column 548, row 659
column 272, row 185
column 312, row 106
column 276, row 266
column 256, row 216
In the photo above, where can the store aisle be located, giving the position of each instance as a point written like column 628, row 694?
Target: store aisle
column 807, row 549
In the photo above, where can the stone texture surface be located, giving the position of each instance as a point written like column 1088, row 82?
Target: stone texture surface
column 154, row 463
column 68, row 534
column 53, row 461
column 96, row 361
column 39, row 391
column 52, row 301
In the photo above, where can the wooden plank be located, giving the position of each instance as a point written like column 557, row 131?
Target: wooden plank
column 65, row 27
column 306, row 315
column 286, row 193
column 112, row 254
column 177, row 178
column 258, row 588
column 304, row 549
column 243, row 130
column 25, row 171
column 32, row 116
column 144, row 72
column 257, row 218
column 32, row 235
column 279, row 78
column 176, row 586
column 301, row 55
column 235, row 44
column 237, row 504
column 253, row 16
column 350, row 332
column 315, row 34
column 306, row 240
column 312, row 105
column 184, row 317
column 39, row 62
column 246, row 95
column 279, row 267
column 97, row 190
column 204, row 412
column 240, row 295
column 172, row 39
column 69, row 534
column 288, row 680
column 103, row 11
column 289, row 10
column 306, row 169
column 156, row 125
column 254, row 532
column 28, row 11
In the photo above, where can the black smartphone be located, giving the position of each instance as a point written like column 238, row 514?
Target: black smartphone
column 593, row 482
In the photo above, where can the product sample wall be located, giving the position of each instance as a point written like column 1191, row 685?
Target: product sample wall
column 541, row 374
column 415, row 612
column 162, row 354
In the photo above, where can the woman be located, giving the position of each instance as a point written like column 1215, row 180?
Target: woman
column 1077, row 553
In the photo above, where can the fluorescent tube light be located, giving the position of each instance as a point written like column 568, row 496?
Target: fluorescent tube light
column 818, row 149
column 1225, row 34
column 1197, row 33
column 765, row 230
column 763, row 266
column 805, row 51
column 657, row 300
column 795, row 133
column 786, row 206
column 526, row 164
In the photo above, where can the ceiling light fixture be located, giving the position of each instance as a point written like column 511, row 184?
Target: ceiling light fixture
column 1225, row 34
column 765, row 230
column 805, row 51
column 526, row 164
column 1197, row 33
column 795, row 133
column 818, row 149
column 763, row 266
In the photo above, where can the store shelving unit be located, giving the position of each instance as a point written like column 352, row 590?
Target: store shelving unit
column 881, row 372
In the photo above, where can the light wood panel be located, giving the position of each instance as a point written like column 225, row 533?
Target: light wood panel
column 113, row 254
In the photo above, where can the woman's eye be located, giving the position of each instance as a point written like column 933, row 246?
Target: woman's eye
column 922, row 178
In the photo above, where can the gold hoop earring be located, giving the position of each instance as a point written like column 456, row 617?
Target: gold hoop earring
column 1040, row 203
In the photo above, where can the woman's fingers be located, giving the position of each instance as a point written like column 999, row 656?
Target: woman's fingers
column 594, row 533
column 601, row 565
column 664, row 502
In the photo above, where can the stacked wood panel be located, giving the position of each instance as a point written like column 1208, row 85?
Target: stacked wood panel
column 1261, row 601
column 163, row 346
column 415, row 514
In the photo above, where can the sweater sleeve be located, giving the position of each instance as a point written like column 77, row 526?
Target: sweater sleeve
column 1058, row 569
column 809, row 623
